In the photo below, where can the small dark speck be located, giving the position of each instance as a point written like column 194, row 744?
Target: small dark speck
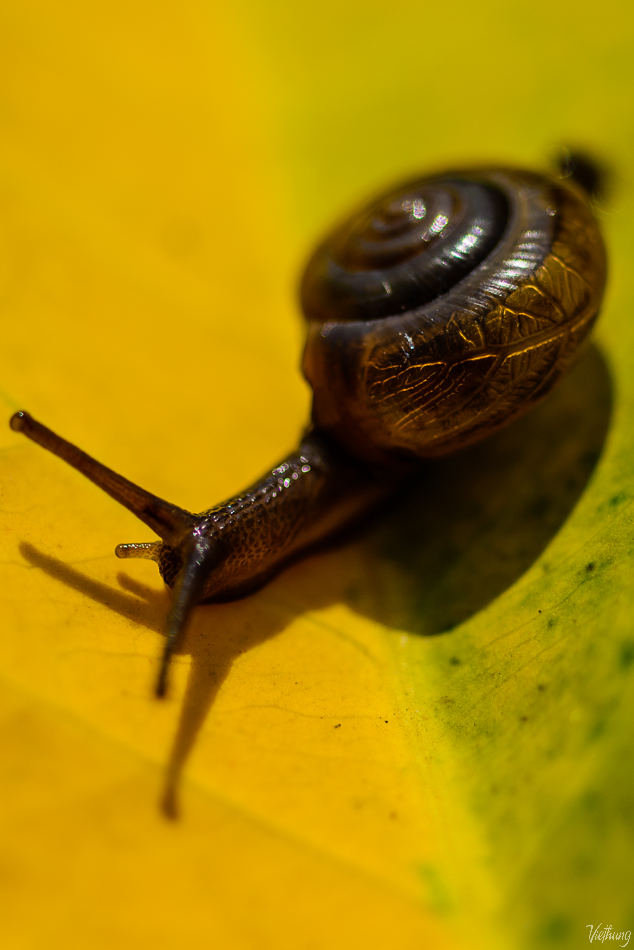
column 539, row 611
column 590, row 567
column 541, row 687
column 386, row 721
column 523, row 718
column 338, row 726
column 551, row 622
column 454, row 661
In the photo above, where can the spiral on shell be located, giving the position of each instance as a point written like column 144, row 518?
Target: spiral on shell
column 446, row 308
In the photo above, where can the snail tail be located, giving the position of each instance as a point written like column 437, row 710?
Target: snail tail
column 584, row 169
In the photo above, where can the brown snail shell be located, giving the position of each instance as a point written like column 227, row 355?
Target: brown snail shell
column 396, row 375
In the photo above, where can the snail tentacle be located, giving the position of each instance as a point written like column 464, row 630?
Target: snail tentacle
column 199, row 557
column 142, row 550
column 168, row 521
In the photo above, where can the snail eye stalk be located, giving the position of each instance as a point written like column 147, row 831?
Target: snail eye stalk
column 168, row 521
column 177, row 527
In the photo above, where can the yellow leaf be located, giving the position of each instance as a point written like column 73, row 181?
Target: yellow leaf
column 420, row 739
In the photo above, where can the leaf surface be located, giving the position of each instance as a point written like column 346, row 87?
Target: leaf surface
column 422, row 738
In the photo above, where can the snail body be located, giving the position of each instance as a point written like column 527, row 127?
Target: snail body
column 437, row 314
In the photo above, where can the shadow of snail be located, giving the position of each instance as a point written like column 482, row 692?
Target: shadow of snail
column 437, row 315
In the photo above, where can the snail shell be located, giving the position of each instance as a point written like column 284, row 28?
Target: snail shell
column 446, row 308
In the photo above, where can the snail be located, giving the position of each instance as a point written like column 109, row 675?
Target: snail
column 435, row 315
